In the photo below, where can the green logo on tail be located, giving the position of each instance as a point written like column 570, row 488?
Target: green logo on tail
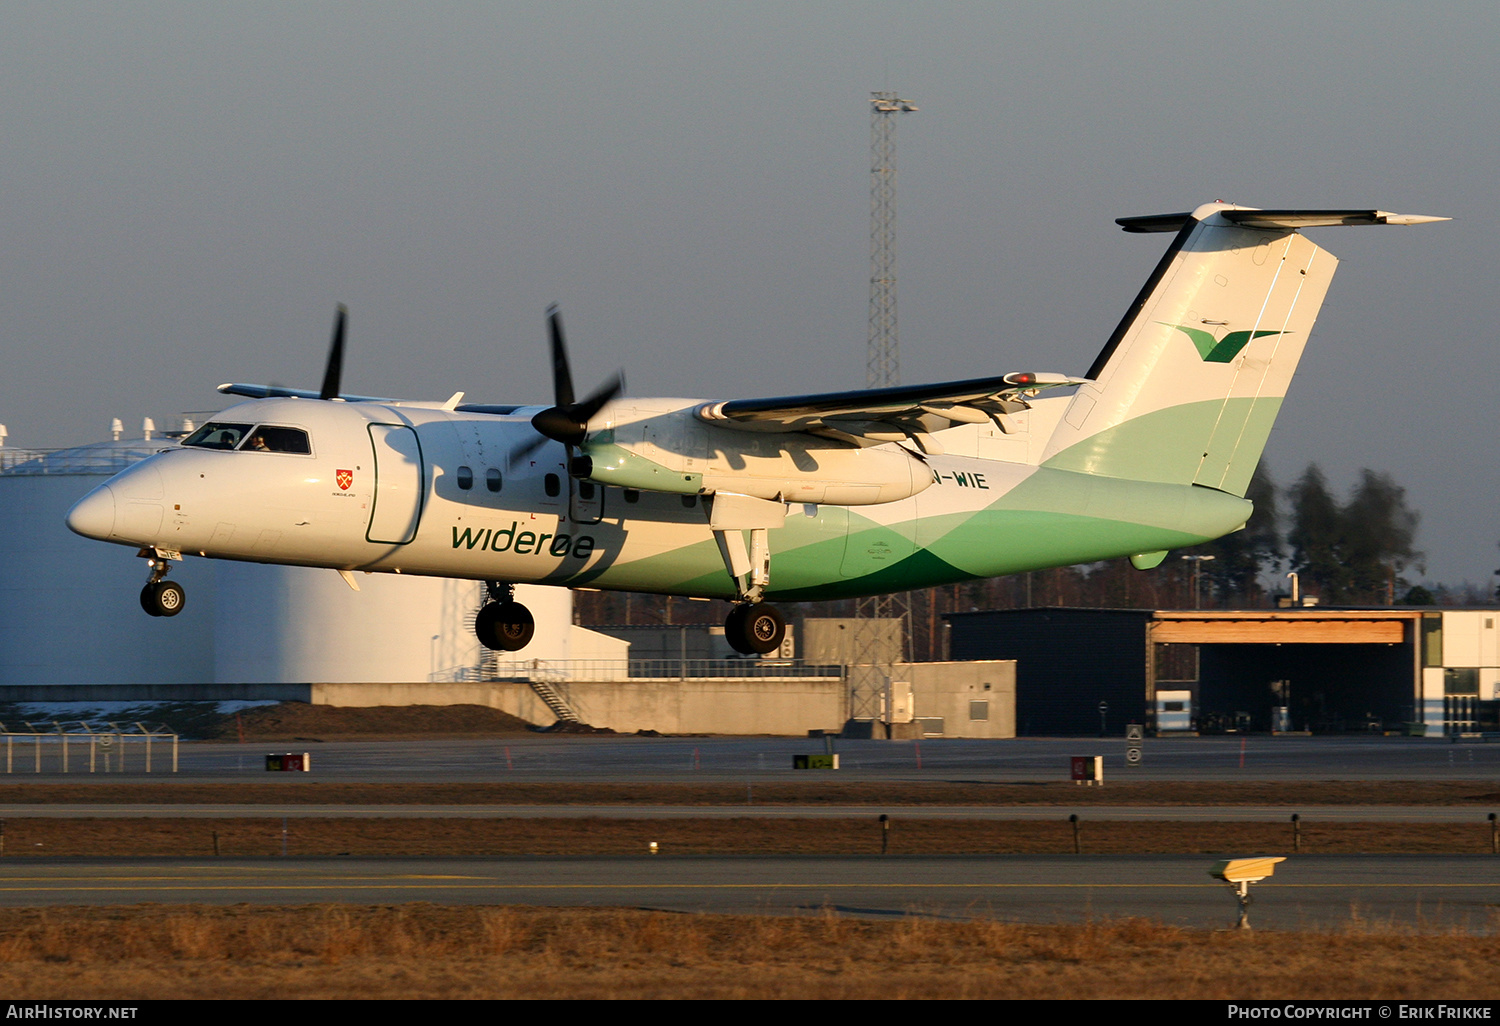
column 1219, row 350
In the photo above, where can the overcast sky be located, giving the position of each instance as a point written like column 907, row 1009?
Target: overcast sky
column 189, row 189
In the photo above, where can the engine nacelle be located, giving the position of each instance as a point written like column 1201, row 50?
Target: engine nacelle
column 671, row 450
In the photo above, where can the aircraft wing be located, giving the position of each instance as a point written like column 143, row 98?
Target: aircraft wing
column 875, row 415
column 278, row 392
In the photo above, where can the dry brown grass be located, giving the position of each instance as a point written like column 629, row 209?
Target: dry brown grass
column 748, row 836
column 299, row 721
column 427, row 951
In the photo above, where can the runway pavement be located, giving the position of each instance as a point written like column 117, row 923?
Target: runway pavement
column 1406, row 892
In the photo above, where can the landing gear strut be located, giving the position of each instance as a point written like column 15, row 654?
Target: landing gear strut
column 159, row 597
column 504, row 625
column 754, row 628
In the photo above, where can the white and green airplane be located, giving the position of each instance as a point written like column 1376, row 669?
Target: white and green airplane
column 757, row 500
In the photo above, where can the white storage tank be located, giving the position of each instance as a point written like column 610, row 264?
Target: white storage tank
column 69, row 607
column 291, row 624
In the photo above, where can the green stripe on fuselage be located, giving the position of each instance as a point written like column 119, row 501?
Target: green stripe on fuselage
column 1052, row 518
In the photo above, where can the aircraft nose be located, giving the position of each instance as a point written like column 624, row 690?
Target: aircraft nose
column 94, row 514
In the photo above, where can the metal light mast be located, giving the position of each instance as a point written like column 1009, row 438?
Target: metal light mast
column 883, row 356
column 870, row 686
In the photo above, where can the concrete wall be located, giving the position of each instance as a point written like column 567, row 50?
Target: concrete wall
column 833, row 641
column 788, row 707
column 973, row 699
column 778, row 706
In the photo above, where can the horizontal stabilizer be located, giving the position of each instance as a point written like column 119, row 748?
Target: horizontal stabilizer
column 1287, row 219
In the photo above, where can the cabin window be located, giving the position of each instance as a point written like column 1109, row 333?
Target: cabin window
column 689, row 501
column 277, row 439
column 217, row 435
column 552, row 485
column 631, row 495
column 492, row 479
column 465, row 478
column 586, row 491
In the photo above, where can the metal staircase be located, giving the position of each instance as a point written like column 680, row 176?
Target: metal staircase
column 489, row 669
column 554, row 701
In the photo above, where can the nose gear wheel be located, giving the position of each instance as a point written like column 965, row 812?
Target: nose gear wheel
column 163, row 598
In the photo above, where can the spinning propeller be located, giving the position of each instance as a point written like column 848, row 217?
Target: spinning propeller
column 335, row 368
column 568, row 420
column 333, row 372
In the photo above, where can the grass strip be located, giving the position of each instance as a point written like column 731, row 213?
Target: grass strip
column 252, row 837
column 421, row 951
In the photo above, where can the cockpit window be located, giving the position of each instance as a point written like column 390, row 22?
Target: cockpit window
column 217, row 435
column 278, row 439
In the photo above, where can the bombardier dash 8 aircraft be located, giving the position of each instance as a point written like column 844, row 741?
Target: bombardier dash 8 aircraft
column 791, row 498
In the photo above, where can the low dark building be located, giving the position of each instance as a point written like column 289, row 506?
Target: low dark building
column 1307, row 668
column 1068, row 661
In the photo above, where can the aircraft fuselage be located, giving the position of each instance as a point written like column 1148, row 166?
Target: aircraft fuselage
column 420, row 490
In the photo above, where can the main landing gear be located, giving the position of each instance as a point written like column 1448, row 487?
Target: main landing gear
column 159, row 597
column 754, row 628
column 504, row 625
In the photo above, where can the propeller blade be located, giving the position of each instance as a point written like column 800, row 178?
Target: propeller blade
column 570, row 424
column 567, row 421
column 562, row 377
column 585, row 410
column 517, row 455
column 335, row 369
column 559, row 424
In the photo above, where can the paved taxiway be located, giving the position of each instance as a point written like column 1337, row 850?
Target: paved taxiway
column 681, row 760
column 1419, row 891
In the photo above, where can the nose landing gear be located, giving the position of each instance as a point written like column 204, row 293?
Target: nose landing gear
column 504, row 625
column 159, row 597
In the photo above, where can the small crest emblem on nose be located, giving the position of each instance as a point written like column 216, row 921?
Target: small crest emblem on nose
column 345, row 478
